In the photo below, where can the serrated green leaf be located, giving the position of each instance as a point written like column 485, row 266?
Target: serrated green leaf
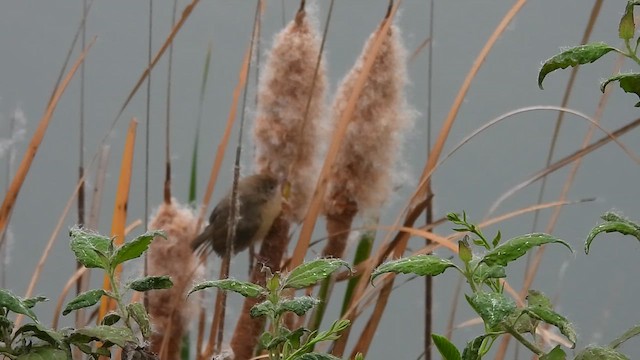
column 135, row 248
column 39, row 331
column 579, row 55
column 44, row 353
column 90, row 248
column 445, row 347
column 114, row 334
column 630, row 83
column 521, row 323
column 421, row 265
column 484, row 272
column 493, row 308
column 556, row 354
column 517, row 247
column 600, row 353
column 627, row 26
column 316, row 356
column 551, row 317
column 311, row 272
column 621, row 227
column 86, row 299
column 264, row 308
column 151, row 283
column 32, row 301
column 631, row 333
column 140, row 316
column 298, row 305
column 13, row 303
column 110, row 319
column 243, row 288
column 472, row 350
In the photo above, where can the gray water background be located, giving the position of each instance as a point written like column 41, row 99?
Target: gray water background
column 597, row 292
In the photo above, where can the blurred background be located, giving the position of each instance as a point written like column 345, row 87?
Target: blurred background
column 597, row 292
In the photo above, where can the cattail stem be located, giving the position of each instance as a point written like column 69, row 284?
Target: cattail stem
column 245, row 336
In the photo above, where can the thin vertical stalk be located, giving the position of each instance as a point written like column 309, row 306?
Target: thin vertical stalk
column 221, row 298
column 428, row 280
column 167, row 179
column 145, row 299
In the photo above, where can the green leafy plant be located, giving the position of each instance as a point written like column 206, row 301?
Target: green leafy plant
column 612, row 223
column 588, row 53
column 278, row 340
column 483, row 272
column 34, row 341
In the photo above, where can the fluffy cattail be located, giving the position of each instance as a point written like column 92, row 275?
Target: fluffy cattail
column 174, row 257
column 286, row 142
column 286, row 136
column 361, row 177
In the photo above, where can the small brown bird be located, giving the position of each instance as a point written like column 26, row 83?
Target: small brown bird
column 259, row 203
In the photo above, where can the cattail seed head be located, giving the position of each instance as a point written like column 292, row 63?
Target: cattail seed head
column 286, row 142
column 363, row 171
column 173, row 256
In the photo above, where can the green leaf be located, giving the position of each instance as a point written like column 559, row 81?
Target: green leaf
column 633, row 332
column 551, row 317
column 110, row 319
column 600, row 353
column 493, row 308
column 537, row 298
column 484, row 272
column 243, row 288
column 113, row 334
column 311, row 272
column 294, row 337
column 91, row 249
column 139, row 314
column 627, row 27
column 316, row 356
column 151, row 283
column 496, row 240
column 556, row 354
column 86, row 299
column 13, row 303
column 265, row 339
column 629, row 82
column 135, row 248
column 464, row 251
column 472, row 350
column 445, row 347
column 44, row 353
column 622, row 227
column 31, row 302
column 574, row 56
column 298, row 305
column 39, row 331
column 419, row 264
column 517, row 247
column 264, row 308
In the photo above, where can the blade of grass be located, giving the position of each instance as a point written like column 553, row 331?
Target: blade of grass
column 120, row 211
column 194, row 156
